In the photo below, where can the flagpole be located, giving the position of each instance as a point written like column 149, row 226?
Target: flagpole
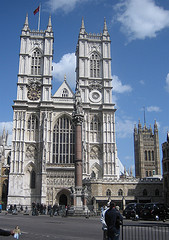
column 39, row 17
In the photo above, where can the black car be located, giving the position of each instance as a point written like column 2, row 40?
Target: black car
column 154, row 211
column 133, row 210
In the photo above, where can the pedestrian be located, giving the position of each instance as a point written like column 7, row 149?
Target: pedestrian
column 17, row 232
column 102, row 219
column 113, row 219
column 6, row 233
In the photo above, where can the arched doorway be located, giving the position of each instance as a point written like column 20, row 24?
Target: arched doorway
column 63, row 200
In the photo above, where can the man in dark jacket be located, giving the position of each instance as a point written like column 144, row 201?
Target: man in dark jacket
column 6, row 233
column 113, row 220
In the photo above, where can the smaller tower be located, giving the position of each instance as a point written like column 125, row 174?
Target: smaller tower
column 146, row 150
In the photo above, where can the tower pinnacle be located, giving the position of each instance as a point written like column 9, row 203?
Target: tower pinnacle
column 82, row 29
column 26, row 25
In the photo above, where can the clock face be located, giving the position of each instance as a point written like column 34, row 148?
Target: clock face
column 95, row 96
column 34, row 94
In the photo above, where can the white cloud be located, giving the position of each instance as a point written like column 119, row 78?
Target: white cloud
column 124, row 127
column 65, row 66
column 142, row 82
column 8, row 127
column 65, row 5
column 141, row 18
column 118, row 86
column 153, row 109
column 167, row 83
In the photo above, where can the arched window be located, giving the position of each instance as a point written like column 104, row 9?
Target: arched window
column 157, row 193
column 33, row 123
column 32, row 179
column 65, row 93
column 144, row 192
column 108, row 193
column 120, row 192
column 9, row 158
column 152, row 155
column 149, row 155
column 145, row 155
column 95, row 66
column 36, row 63
column 95, row 124
column 63, row 141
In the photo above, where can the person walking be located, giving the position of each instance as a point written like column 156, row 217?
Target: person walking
column 113, row 219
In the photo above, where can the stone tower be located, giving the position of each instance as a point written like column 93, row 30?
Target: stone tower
column 94, row 81
column 146, row 151
column 165, row 162
column 30, row 143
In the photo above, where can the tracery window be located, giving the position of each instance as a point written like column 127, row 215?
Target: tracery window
column 108, row 193
column 36, row 63
column 120, row 192
column 95, row 65
column 33, row 123
column 65, row 93
column 63, row 141
column 95, row 128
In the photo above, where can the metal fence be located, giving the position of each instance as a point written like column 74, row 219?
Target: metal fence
column 145, row 231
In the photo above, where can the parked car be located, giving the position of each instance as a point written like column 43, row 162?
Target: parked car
column 154, row 211
column 133, row 210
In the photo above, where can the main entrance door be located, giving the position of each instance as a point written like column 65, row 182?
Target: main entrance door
column 63, row 200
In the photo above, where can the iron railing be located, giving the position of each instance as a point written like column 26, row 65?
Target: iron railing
column 144, row 231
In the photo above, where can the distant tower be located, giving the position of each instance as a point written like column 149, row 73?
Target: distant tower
column 165, row 162
column 146, row 150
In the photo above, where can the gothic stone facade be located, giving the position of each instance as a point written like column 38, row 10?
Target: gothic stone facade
column 42, row 155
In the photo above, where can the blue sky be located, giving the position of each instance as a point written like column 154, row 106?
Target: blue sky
column 139, row 31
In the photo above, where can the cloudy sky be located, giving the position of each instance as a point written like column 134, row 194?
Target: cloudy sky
column 139, row 31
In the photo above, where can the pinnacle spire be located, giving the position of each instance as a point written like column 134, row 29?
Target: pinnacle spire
column 105, row 25
column 82, row 29
column 26, row 25
column 49, row 27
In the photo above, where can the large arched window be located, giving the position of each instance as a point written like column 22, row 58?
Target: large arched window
column 95, row 66
column 63, row 141
column 36, row 63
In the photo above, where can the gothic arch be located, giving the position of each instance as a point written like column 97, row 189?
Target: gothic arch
column 63, row 197
column 96, row 171
column 61, row 115
column 34, row 50
column 30, row 176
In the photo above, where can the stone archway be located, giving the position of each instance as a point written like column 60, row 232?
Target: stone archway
column 63, row 197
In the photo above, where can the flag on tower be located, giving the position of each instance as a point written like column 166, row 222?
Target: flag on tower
column 36, row 10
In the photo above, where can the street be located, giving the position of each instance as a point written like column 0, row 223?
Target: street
column 62, row 228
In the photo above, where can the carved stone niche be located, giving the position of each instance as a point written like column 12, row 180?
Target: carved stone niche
column 31, row 151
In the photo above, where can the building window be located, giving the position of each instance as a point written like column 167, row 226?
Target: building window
column 95, row 66
column 36, row 63
column 63, row 141
column 146, row 173
column 145, row 155
column 108, row 193
column 95, row 124
column 149, row 155
column 120, row 192
column 152, row 155
column 65, row 93
column 157, row 193
column 150, row 173
column 33, row 123
column 32, row 179
column 144, row 192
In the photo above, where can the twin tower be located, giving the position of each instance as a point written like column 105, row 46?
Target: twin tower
column 62, row 138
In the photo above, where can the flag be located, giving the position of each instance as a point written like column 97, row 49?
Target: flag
column 36, row 10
